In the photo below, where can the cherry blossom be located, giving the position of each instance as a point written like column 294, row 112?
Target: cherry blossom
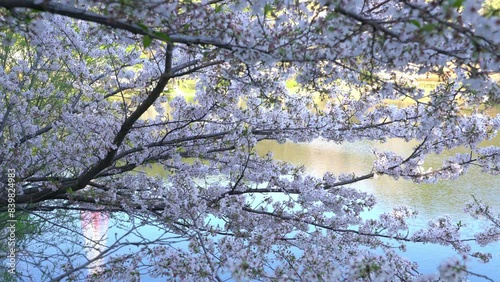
column 88, row 119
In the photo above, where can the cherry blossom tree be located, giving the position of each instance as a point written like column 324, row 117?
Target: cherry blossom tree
column 85, row 113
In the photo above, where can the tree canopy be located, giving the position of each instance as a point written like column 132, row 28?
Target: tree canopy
column 86, row 112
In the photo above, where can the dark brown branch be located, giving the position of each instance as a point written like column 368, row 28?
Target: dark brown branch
column 30, row 136
column 130, row 121
column 87, row 176
column 72, row 12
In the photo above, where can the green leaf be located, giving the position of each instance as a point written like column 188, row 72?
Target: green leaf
column 162, row 36
column 331, row 16
column 415, row 23
column 186, row 27
column 146, row 41
column 428, row 27
column 218, row 9
column 143, row 26
column 267, row 9
column 457, row 3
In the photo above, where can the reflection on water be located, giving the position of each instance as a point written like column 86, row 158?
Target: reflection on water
column 431, row 200
column 94, row 227
column 320, row 156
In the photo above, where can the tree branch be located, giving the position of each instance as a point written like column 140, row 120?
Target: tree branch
column 69, row 11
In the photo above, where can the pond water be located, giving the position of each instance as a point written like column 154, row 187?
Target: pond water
column 430, row 200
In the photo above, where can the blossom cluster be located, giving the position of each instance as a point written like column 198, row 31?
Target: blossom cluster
column 88, row 115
